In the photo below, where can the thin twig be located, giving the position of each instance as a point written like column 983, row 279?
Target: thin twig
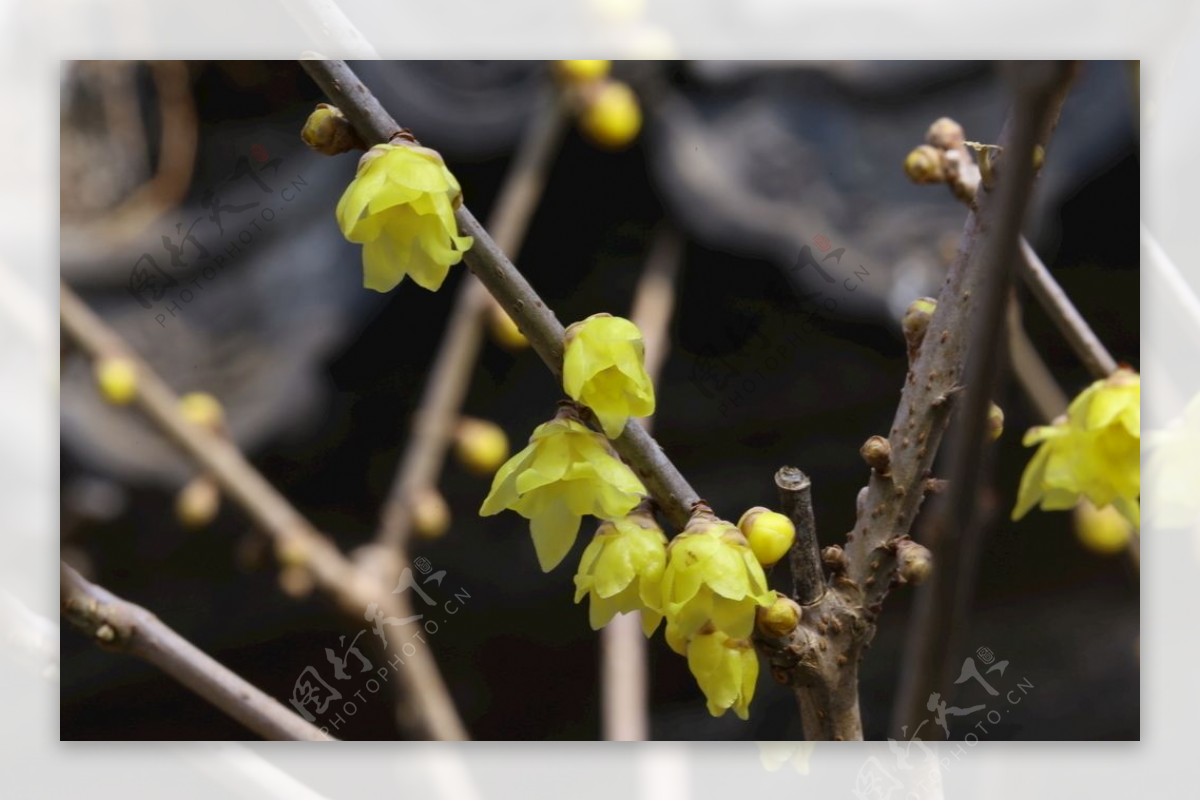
column 122, row 626
column 1030, row 369
column 624, row 672
column 795, row 501
column 295, row 539
column 1062, row 311
column 954, row 529
column 492, row 267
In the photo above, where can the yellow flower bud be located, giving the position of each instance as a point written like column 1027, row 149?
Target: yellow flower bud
column 603, row 368
column 1094, row 453
column 780, row 618
column 924, row 165
column 198, row 502
column 504, row 329
column 582, row 71
column 327, row 131
column 914, row 562
column 400, row 207
column 726, row 669
column 480, row 445
column 565, row 472
column 117, row 380
column 1103, row 531
column 292, row 551
column 916, row 323
column 202, row 409
column 995, row 422
column 612, row 116
column 621, row 570
column 768, row 533
column 430, row 514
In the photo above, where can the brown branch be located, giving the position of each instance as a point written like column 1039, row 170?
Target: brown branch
column 1062, row 311
column 118, row 625
column 624, row 679
column 295, row 540
column 954, row 531
column 795, row 501
column 486, row 259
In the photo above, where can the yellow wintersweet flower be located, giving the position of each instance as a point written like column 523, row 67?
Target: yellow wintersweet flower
column 1093, row 453
column 400, row 207
column 567, row 471
column 712, row 576
column 603, row 368
column 726, row 668
column 621, row 570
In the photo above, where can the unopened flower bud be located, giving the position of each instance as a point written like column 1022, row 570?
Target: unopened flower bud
column 915, row 324
column 327, row 131
column 430, row 514
column 198, row 502
column 293, row 551
column 914, row 562
column 945, row 134
column 770, row 534
column 504, row 330
column 611, row 117
column 877, row 452
column 202, row 409
column 480, row 445
column 117, row 379
column 834, row 558
column 995, row 422
column 582, row 70
column 924, row 165
column 1104, row 531
column 780, row 618
column 1039, row 157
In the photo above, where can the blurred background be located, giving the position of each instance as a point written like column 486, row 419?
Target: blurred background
column 750, row 163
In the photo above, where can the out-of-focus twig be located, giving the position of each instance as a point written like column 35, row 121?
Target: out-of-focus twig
column 122, row 626
column 1062, row 311
column 297, row 543
column 624, row 672
column 1030, row 369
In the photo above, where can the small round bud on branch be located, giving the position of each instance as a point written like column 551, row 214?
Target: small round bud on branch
column 202, row 409
column 914, row 562
column 117, row 379
column 480, row 445
column 924, row 165
column 915, row 324
column 198, row 502
column 430, row 514
column 995, row 422
column 877, row 452
column 945, row 134
column 611, row 116
column 770, row 534
column 780, row 618
column 328, row 132
column 834, row 558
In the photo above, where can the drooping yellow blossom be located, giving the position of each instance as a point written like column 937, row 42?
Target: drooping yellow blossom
column 726, row 668
column 567, row 471
column 603, row 368
column 622, row 569
column 400, row 207
column 1093, row 453
column 612, row 116
column 712, row 576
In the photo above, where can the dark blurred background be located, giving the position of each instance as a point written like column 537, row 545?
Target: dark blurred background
column 319, row 377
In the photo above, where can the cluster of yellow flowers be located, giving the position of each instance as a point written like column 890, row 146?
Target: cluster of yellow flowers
column 708, row 583
column 1092, row 453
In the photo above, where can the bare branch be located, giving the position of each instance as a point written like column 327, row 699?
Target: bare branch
column 795, row 500
column 118, row 625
